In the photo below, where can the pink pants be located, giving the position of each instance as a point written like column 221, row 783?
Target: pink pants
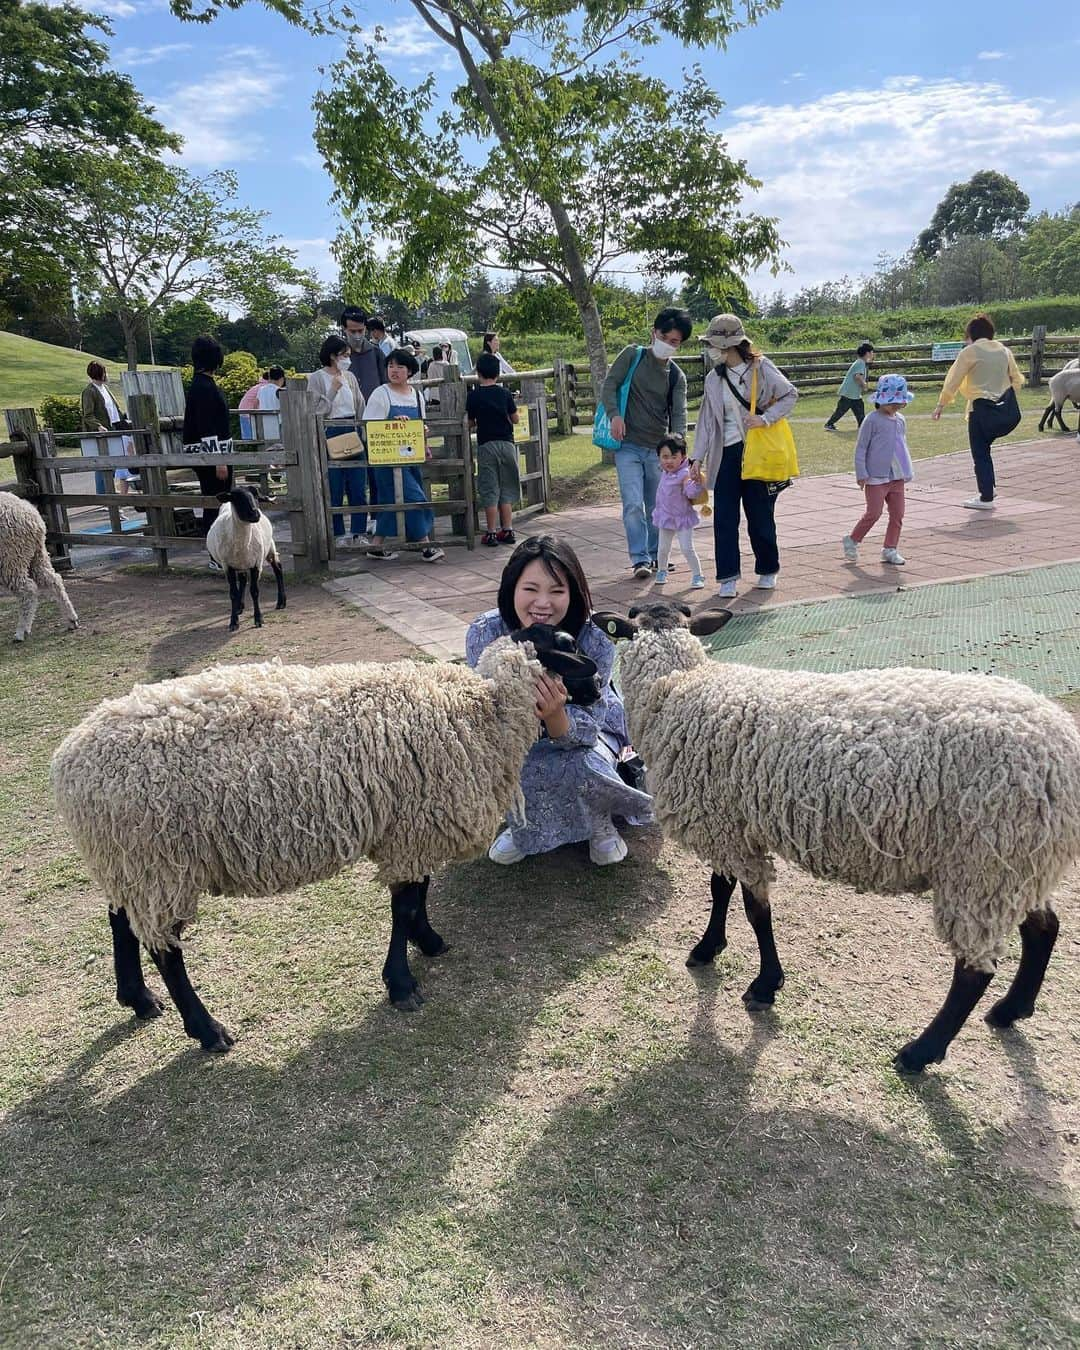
column 879, row 496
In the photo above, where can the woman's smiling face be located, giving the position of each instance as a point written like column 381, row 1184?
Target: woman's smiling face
column 540, row 597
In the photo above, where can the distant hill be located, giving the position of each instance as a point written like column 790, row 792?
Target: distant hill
column 29, row 370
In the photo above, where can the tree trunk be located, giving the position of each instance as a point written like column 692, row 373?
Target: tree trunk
column 594, row 343
column 131, row 340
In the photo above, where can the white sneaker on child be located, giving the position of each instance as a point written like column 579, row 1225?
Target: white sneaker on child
column 698, row 584
column 850, row 547
column 892, row 555
column 660, row 579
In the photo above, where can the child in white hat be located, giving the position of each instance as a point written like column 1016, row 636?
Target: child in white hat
column 882, row 467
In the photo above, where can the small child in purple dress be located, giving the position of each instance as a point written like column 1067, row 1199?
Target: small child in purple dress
column 673, row 515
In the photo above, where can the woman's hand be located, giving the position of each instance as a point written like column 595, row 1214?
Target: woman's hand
column 695, row 472
column 935, row 416
column 550, row 696
column 335, row 383
column 860, row 482
column 752, row 423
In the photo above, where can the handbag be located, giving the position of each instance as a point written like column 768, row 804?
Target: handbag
column 769, row 451
column 601, row 427
column 1000, row 416
column 346, row 446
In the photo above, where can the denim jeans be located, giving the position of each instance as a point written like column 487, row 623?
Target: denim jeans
column 348, row 483
column 638, row 470
column 731, row 491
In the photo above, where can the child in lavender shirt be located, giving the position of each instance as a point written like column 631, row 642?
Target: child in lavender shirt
column 673, row 515
column 882, row 467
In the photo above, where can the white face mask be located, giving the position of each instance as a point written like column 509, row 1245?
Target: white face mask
column 662, row 350
column 343, row 363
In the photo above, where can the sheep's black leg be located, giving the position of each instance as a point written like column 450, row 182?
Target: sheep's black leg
column 131, row 989
column 1047, row 414
column 198, row 1023
column 770, row 978
column 714, row 938
column 421, row 931
column 255, row 597
column 968, row 986
column 279, row 577
column 236, row 598
column 1038, row 933
column 400, row 984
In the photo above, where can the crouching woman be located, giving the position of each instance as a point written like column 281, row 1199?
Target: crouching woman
column 571, row 788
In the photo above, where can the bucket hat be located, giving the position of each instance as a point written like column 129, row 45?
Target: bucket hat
column 892, row 389
column 724, row 330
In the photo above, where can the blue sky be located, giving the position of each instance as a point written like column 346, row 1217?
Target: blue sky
column 856, row 125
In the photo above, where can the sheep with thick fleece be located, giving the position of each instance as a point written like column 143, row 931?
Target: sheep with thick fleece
column 241, row 539
column 25, row 568
column 1064, row 385
column 255, row 779
column 887, row 780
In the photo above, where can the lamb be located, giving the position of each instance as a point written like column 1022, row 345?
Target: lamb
column 255, row 779
column 25, row 568
column 888, row 780
column 241, row 539
column 1064, row 385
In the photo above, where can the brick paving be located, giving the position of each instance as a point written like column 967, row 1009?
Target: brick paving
column 1033, row 525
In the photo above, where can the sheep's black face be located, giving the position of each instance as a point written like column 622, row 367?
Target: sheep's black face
column 657, row 617
column 244, row 505
column 558, row 652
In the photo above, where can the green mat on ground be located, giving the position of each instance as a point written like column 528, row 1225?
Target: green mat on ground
column 1023, row 625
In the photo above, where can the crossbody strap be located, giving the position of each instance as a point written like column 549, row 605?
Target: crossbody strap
column 624, row 390
column 753, row 388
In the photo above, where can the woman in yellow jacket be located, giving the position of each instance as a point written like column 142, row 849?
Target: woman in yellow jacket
column 986, row 373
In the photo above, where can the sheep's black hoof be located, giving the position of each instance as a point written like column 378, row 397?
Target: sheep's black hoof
column 1003, row 1014
column 215, row 1038
column 144, row 1003
column 762, row 994
column 258, row 623
column 431, row 945
column 405, row 995
column 914, row 1058
column 702, row 955
column 280, row 604
column 234, row 628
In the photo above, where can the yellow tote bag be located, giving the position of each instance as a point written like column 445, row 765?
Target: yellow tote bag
column 769, row 452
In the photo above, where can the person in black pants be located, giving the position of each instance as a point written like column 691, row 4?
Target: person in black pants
column 207, row 414
column 853, row 388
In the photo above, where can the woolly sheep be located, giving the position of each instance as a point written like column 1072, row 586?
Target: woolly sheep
column 1064, row 385
column 25, row 568
column 888, row 780
column 255, row 779
column 241, row 539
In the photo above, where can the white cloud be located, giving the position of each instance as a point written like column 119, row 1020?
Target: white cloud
column 149, row 56
column 314, row 253
column 408, row 39
column 209, row 112
column 991, row 56
column 861, row 170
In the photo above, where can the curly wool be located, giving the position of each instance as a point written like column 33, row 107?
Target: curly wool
column 25, row 568
column 256, row 779
column 1065, row 385
column 888, row 780
column 237, row 544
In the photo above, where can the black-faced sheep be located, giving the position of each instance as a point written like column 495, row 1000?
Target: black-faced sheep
column 256, row 779
column 241, row 539
column 888, row 780
column 1064, row 385
column 25, row 568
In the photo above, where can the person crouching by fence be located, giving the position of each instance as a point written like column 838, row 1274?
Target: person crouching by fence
column 206, row 414
column 853, row 387
column 882, row 467
column 338, row 400
column 395, row 399
column 493, row 415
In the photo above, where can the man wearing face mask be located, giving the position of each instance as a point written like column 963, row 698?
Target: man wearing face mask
column 367, row 362
column 655, row 406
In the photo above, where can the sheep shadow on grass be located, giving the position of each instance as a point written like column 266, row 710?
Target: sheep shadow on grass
column 148, row 1183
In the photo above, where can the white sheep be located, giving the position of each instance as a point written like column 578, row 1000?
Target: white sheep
column 256, row 779
column 241, row 539
column 25, row 568
column 887, row 780
column 1064, row 385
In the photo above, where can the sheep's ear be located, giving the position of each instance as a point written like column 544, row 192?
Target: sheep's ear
column 614, row 625
column 704, row 624
column 224, row 496
column 684, row 610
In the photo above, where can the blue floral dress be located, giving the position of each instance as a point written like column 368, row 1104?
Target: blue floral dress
column 570, row 785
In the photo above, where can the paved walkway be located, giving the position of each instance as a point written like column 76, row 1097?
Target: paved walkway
column 1035, row 523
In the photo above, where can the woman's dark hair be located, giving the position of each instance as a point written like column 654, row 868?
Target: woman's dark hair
column 747, row 350
column 96, row 370
column 331, row 348
column 437, row 352
column 679, row 319
column 275, row 373
column 561, row 564
column 488, row 339
column 864, row 347
column 981, row 326
column 206, row 355
column 673, row 441
column 401, row 357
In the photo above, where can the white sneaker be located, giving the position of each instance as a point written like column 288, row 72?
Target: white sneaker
column 766, row 582
column 660, row 579
column 504, row 850
column 892, row 555
column 977, row 504
column 728, row 590
column 850, row 547
column 698, row 584
column 611, row 848
column 127, row 513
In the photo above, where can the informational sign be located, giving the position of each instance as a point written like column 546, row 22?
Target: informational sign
column 946, row 351
column 400, row 440
column 521, row 427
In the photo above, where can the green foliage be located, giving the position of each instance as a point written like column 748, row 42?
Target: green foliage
column 61, row 412
column 1050, row 253
column 302, row 347
column 179, row 326
column 236, row 376
column 989, row 205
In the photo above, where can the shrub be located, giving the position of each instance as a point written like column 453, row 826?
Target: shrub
column 60, row 412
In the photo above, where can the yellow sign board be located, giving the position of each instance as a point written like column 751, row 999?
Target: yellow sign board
column 399, row 440
column 521, row 428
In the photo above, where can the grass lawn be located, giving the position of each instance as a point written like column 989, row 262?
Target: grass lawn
column 30, row 370
column 576, row 1142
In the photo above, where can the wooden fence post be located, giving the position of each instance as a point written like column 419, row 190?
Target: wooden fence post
column 143, row 415
column 55, row 513
column 563, row 416
column 22, row 423
column 1038, row 353
column 458, row 440
column 301, row 432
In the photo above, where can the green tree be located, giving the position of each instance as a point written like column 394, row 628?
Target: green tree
column 1050, row 253
column 990, row 205
column 138, row 236
column 179, row 326
column 556, row 155
column 973, row 269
